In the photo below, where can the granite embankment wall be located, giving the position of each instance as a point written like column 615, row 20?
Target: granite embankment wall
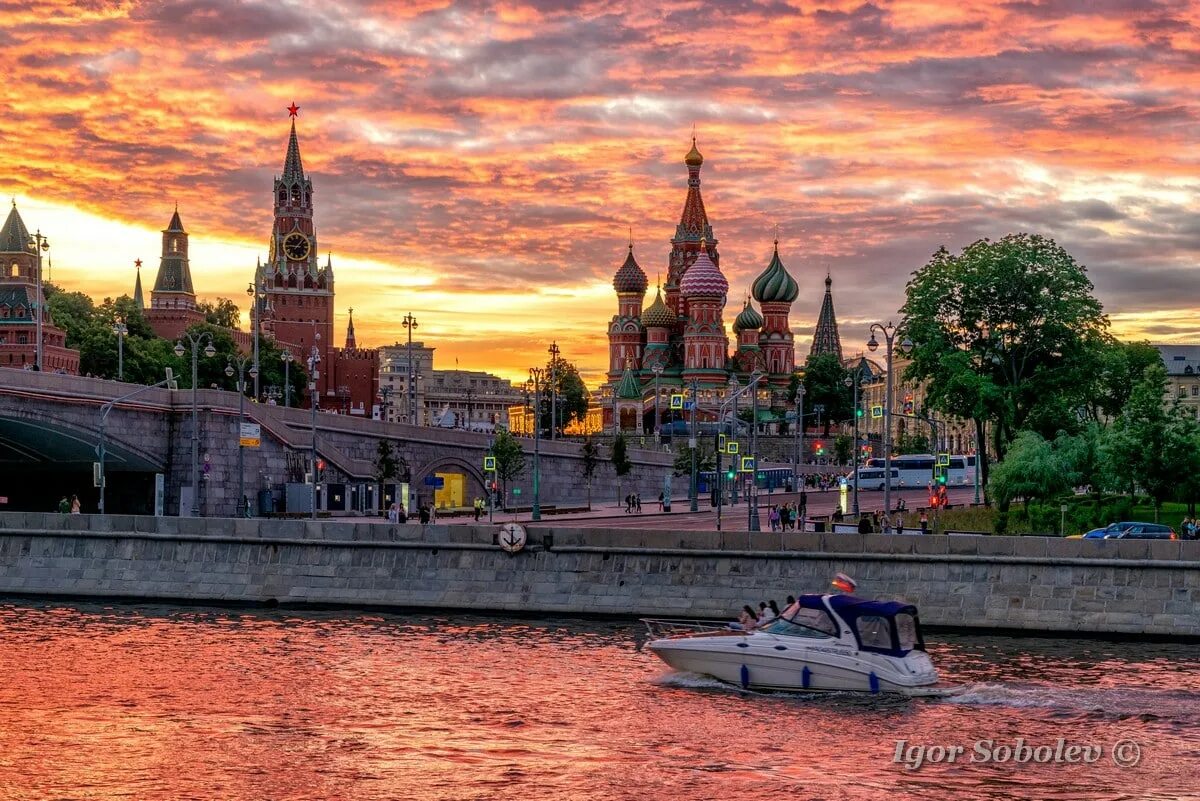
column 1032, row 583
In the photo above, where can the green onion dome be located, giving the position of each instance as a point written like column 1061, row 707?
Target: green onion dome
column 775, row 285
column 749, row 319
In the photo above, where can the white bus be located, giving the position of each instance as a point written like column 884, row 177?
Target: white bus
column 871, row 478
column 917, row 470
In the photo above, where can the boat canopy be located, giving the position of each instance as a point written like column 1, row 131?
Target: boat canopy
column 885, row 627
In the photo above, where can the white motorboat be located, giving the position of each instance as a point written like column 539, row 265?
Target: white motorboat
column 820, row 643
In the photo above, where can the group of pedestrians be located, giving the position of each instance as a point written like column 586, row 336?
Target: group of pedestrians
column 787, row 517
column 71, row 506
column 633, row 503
column 881, row 523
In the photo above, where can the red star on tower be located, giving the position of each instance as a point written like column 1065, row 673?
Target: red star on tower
column 293, row 109
column 137, row 263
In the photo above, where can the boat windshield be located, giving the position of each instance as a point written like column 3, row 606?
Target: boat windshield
column 906, row 628
column 798, row 621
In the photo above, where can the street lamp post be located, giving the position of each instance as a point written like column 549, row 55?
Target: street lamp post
column 753, row 522
column 553, row 350
column 241, row 363
column 537, row 375
column 798, row 435
column 852, row 381
column 889, row 337
column 38, row 243
column 120, row 329
column 194, row 340
column 692, row 442
column 252, row 291
column 409, row 324
column 977, row 462
column 314, row 360
column 734, row 392
column 287, row 358
column 733, row 433
column 657, row 369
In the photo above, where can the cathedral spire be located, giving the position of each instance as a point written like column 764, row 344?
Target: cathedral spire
column 826, row 339
column 693, row 222
column 350, row 344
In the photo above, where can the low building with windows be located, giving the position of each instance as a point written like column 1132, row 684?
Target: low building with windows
column 446, row 398
column 1183, row 375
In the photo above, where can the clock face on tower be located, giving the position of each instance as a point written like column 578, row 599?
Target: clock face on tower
column 296, row 246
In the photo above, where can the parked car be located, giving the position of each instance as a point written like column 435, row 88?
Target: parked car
column 1144, row 531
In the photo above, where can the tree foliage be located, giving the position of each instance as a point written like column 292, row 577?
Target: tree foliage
column 1007, row 334
column 589, row 454
column 386, row 466
column 824, row 386
column 1033, row 469
column 706, row 458
column 570, row 392
column 510, row 459
column 1152, row 447
column 223, row 313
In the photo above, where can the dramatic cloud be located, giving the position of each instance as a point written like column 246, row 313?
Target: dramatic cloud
column 481, row 165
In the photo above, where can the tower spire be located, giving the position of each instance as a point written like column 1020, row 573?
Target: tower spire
column 826, row 338
column 139, row 300
column 350, row 343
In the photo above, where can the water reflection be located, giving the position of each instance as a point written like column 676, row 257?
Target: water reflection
column 164, row 703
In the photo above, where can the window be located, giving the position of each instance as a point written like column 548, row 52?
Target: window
column 874, row 631
column 174, row 244
column 1195, row 390
column 906, row 627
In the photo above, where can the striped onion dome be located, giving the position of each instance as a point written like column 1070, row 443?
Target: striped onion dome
column 703, row 279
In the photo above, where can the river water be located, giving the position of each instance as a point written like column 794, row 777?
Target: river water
column 157, row 702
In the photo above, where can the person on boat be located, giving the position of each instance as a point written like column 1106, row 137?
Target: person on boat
column 774, row 607
column 765, row 615
column 747, row 619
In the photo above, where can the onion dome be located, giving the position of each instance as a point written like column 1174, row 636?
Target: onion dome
column 630, row 278
column 658, row 314
column 693, row 158
column 703, row 279
column 749, row 319
column 775, row 285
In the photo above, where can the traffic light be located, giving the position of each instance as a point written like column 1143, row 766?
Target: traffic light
column 729, row 475
column 858, row 412
column 941, row 479
column 820, row 448
column 908, row 404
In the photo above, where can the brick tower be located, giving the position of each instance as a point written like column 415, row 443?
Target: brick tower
column 173, row 306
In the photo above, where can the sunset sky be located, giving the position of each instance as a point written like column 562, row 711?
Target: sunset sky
column 480, row 165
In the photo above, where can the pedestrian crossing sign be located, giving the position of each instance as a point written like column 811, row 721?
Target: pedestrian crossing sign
column 943, row 460
column 877, row 411
column 732, row 447
column 489, row 463
column 748, row 464
column 677, row 402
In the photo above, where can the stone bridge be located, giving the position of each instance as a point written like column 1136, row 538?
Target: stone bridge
column 49, row 430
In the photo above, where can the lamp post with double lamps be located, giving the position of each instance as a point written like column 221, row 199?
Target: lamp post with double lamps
column 252, row 291
column 240, row 369
column 409, row 324
column 657, row 369
column 38, row 243
column 314, row 361
column 287, row 358
column 537, row 375
column 752, row 520
column 798, row 435
column 120, row 329
column 694, row 505
column 553, row 350
column 889, row 338
column 195, row 340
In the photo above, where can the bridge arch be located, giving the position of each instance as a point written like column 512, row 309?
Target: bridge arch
column 474, row 485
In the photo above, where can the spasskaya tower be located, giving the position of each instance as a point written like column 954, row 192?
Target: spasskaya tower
column 297, row 294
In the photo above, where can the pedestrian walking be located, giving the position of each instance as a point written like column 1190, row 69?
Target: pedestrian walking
column 660, row 501
column 637, row 502
column 64, row 506
column 75, row 505
column 424, row 514
column 803, row 503
column 773, row 518
column 924, row 520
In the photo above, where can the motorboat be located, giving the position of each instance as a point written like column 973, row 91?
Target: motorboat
column 832, row 643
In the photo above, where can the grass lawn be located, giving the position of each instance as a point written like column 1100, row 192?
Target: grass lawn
column 1083, row 515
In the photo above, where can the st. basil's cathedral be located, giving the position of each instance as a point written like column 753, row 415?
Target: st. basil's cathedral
column 678, row 342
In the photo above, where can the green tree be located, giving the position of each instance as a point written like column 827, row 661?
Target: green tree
column 510, row 459
column 843, row 447
column 911, row 443
column 386, row 466
column 571, row 395
column 223, row 313
column 620, row 460
column 1083, row 457
column 706, row 458
column 1005, row 334
column 590, row 457
column 1153, row 447
column 824, row 386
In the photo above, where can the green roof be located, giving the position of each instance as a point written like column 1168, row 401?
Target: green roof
column 629, row 388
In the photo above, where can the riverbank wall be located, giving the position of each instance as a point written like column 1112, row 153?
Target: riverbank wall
column 1037, row 584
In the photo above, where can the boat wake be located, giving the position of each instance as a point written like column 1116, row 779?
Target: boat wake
column 1144, row 704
